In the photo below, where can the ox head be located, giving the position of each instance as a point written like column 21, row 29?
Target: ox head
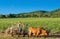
column 45, row 32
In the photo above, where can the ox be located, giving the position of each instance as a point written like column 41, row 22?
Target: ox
column 14, row 30
column 39, row 31
column 34, row 31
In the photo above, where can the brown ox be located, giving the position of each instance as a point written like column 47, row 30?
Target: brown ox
column 11, row 31
column 15, row 30
column 34, row 31
column 39, row 31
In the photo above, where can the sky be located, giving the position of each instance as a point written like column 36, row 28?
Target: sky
column 20, row 6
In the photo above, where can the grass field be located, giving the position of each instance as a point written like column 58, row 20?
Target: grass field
column 48, row 23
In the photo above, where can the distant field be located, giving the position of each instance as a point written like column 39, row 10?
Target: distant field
column 49, row 23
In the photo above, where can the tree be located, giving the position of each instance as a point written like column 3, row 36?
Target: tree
column 2, row 16
column 10, row 15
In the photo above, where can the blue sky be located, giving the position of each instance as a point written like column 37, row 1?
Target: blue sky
column 18, row 6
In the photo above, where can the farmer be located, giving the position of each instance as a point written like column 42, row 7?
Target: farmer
column 22, row 28
column 20, row 25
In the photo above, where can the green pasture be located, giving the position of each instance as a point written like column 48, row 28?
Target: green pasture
column 48, row 23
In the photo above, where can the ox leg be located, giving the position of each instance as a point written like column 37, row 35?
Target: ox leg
column 23, row 34
column 29, row 34
column 18, row 35
column 34, row 34
column 37, row 34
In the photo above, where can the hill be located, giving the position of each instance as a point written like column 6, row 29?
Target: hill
column 38, row 13
column 55, row 13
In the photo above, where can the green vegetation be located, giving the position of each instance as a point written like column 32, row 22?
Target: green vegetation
column 39, row 13
column 48, row 23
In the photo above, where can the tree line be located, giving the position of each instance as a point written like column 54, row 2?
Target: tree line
column 39, row 13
